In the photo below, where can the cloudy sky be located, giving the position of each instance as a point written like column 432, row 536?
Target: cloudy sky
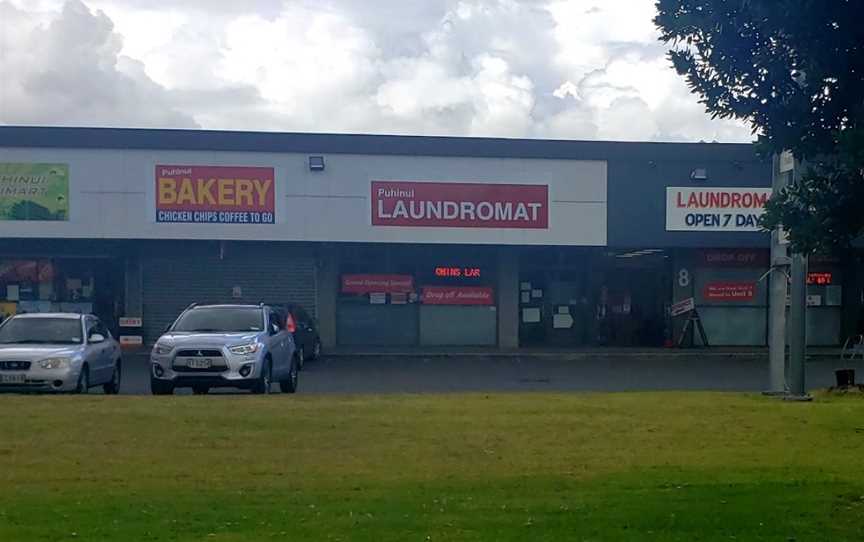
column 581, row 69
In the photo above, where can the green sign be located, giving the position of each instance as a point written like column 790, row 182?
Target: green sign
column 34, row 191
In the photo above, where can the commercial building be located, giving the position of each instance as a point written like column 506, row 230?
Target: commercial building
column 398, row 240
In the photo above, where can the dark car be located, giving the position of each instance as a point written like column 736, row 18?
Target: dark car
column 305, row 330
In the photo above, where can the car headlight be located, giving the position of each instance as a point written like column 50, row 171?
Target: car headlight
column 244, row 349
column 162, row 349
column 55, row 363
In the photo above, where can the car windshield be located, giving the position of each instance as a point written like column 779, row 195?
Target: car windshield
column 41, row 331
column 221, row 320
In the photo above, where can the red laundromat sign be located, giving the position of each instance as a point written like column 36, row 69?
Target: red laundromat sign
column 457, row 295
column 460, row 205
column 364, row 284
column 730, row 291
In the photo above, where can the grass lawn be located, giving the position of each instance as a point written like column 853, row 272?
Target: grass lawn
column 521, row 467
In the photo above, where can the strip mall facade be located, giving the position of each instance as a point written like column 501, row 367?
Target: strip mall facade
column 401, row 241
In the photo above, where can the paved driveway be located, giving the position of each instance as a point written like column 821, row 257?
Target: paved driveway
column 401, row 374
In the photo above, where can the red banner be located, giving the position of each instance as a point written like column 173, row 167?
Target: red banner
column 215, row 194
column 730, row 291
column 460, row 205
column 364, row 284
column 458, row 295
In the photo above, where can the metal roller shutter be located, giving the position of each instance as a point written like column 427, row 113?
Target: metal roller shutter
column 177, row 275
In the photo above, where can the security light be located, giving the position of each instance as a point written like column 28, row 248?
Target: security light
column 316, row 163
column 699, row 174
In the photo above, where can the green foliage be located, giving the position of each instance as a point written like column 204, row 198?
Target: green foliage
column 794, row 70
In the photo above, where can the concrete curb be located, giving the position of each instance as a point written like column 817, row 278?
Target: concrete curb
column 571, row 355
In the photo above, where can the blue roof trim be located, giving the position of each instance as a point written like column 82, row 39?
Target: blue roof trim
column 213, row 140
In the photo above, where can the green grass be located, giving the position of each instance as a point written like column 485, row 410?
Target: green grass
column 641, row 467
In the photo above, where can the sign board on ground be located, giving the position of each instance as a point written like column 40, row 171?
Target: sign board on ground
column 683, row 307
column 131, row 340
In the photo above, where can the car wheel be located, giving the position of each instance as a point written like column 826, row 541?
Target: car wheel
column 316, row 350
column 289, row 385
column 262, row 385
column 200, row 390
column 301, row 358
column 83, row 381
column 113, row 387
column 159, row 387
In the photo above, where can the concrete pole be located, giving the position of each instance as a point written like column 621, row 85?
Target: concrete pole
column 777, row 299
column 798, row 317
column 798, row 326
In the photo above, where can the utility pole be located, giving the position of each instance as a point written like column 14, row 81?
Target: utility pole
column 798, row 318
column 798, row 327
column 782, row 169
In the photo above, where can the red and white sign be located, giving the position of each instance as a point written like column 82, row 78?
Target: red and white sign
column 683, row 307
column 131, row 340
column 715, row 209
column 130, row 321
column 460, row 205
column 458, row 295
column 730, row 291
column 364, row 284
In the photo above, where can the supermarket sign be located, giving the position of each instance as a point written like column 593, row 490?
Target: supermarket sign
column 460, row 205
column 215, row 194
column 715, row 209
column 34, row 191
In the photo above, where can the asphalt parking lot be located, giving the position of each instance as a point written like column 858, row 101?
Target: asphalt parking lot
column 459, row 373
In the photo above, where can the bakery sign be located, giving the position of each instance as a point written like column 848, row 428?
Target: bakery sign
column 460, row 205
column 715, row 209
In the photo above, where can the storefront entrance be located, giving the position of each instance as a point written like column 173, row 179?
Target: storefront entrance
column 593, row 297
column 417, row 296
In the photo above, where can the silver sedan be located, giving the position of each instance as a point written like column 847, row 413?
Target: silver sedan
column 58, row 352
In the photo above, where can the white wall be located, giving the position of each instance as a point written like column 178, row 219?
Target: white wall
column 112, row 195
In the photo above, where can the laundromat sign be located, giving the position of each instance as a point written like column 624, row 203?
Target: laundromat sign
column 215, row 194
column 460, row 205
column 715, row 209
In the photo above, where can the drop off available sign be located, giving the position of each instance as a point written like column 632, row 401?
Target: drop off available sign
column 715, row 209
column 215, row 194
column 34, row 191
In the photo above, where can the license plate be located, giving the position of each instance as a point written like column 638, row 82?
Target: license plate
column 204, row 363
column 12, row 379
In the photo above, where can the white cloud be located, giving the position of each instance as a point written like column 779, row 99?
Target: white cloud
column 68, row 70
column 516, row 68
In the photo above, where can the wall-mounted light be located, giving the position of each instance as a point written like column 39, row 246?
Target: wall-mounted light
column 699, row 174
column 316, row 163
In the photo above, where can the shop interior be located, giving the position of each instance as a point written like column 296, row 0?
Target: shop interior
column 83, row 285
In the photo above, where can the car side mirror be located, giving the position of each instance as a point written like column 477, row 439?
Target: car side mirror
column 97, row 338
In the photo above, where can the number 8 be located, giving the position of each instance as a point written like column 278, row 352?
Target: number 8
column 683, row 278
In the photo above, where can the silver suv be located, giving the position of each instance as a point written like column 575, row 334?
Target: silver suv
column 238, row 346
